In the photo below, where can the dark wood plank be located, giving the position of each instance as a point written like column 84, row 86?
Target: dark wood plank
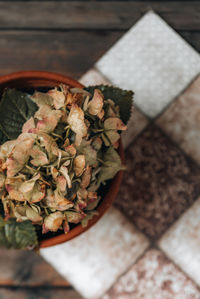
column 38, row 293
column 95, row 15
column 26, row 268
column 69, row 53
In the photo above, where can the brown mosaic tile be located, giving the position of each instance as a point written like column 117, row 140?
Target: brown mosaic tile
column 181, row 121
column 160, row 182
column 153, row 277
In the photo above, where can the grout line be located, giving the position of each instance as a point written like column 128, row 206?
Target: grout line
column 177, row 266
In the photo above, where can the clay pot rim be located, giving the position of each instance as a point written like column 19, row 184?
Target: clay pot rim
column 42, row 78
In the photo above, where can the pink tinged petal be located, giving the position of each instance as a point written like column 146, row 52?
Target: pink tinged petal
column 20, row 154
column 64, row 171
column 66, row 226
column 49, row 143
column 79, row 164
column 114, row 123
column 74, row 217
column 33, row 215
column 38, row 192
column 39, row 157
column 29, row 126
column 61, row 183
column 76, row 121
column 6, row 148
column 53, row 222
column 2, row 181
column 101, row 114
column 47, row 118
column 86, row 177
column 28, row 185
column 71, row 150
column 92, row 196
column 58, row 98
column 113, row 137
column 54, row 172
column 96, row 104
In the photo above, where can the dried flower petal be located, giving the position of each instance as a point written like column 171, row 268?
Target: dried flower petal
column 96, row 104
column 79, row 164
column 114, row 123
column 86, row 177
column 58, row 98
column 76, row 122
column 39, row 157
column 47, row 118
column 53, row 222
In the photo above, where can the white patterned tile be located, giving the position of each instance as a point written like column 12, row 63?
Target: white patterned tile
column 153, row 277
column 93, row 77
column 93, row 261
column 154, row 61
column 182, row 242
column 137, row 121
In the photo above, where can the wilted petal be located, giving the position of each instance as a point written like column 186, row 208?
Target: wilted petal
column 20, row 213
column 39, row 157
column 41, row 99
column 114, row 123
column 58, row 98
column 79, row 164
column 47, row 118
column 53, row 222
column 49, row 144
column 71, row 150
column 28, row 185
column 33, row 215
column 76, row 121
column 29, row 126
column 113, row 137
column 74, row 217
column 61, row 183
column 86, row 177
column 96, row 104
column 64, row 171
column 2, row 180
column 20, row 154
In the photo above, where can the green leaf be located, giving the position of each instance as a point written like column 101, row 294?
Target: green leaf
column 122, row 98
column 18, row 235
column 16, row 108
column 112, row 164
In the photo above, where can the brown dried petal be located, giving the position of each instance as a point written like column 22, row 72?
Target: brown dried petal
column 96, row 104
column 79, row 164
column 86, row 177
column 114, row 123
column 58, row 98
column 53, row 222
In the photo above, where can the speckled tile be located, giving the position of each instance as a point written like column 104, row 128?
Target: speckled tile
column 137, row 121
column 154, row 61
column 182, row 242
column 153, row 277
column 94, row 260
column 181, row 121
column 160, row 183
column 93, row 77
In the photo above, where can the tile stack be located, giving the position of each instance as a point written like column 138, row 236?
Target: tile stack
column 148, row 245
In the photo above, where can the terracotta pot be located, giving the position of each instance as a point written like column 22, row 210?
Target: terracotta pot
column 29, row 79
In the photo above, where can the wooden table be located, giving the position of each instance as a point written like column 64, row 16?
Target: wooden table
column 68, row 37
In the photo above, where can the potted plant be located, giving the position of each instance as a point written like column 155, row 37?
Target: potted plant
column 61, row 156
